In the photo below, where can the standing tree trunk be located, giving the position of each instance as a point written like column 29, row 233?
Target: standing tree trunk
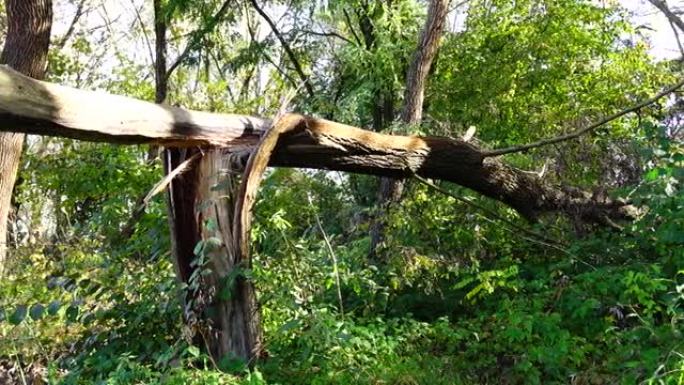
column 220, row 305
column 391, row 189
column 26, row 47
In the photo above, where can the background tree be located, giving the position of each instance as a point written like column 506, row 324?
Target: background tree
column 26, row 48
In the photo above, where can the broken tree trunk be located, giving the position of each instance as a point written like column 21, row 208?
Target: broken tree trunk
column 42, row 108
column 221, row 304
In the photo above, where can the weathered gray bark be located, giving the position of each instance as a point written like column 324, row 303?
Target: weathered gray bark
column 391, row 189
column 28, row 36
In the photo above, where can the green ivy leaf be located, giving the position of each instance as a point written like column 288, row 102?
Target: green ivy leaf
column 53, row 307
column 193, row 351
column 18, row 315
column 36, row 311
column 72, row 313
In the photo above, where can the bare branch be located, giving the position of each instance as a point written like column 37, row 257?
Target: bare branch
column 72, row 26
column 326, row 34
column 144, row 30
column 351, row 27
column 671, row 16
column 676, row 35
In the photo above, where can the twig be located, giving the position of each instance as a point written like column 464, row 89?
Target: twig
column 671, row 16
column 582, row 131
column 286, row 47
column 351, row 27
column 326, row 34
column 676, row 34
column 144, row 31
column 72, row 26
column 266, row 56
column 336, row 272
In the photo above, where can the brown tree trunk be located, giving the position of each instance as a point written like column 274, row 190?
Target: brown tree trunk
column 220, row 306
column 234, row 330
column 26, row 47
column 391, row 189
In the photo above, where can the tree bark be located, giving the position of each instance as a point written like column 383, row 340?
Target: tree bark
column 26, row 46
column 221, row 305
column 161, row 80
column 42, row 108
column 391, row 189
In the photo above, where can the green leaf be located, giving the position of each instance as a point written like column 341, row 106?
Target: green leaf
column 37, row 311
column 289, row 325
column 231, row 364
column 53, row 307
column 193, row 351
column 18, row 315
column 72, row 313
column 198, row 248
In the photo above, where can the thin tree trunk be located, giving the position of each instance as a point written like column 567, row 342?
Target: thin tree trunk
column 391, row 189
column 160, row 79
column 28, row 36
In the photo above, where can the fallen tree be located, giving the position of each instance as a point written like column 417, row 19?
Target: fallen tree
column 42, row 108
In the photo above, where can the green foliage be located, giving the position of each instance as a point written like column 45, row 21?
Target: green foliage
column 454, row 296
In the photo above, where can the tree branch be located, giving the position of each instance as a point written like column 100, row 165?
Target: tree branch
column 286, row 47
column 138, row 17
column 72, row 26
column 351, row 27
column 584, row 130
column 326, row 34
column 671, row 16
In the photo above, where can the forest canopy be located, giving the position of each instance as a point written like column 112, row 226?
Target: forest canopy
column 366, row 192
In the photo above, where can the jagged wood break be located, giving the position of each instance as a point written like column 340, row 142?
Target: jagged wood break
column 42, row 108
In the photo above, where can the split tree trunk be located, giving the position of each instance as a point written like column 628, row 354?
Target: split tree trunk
column 26, row 47
column 221, row 305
